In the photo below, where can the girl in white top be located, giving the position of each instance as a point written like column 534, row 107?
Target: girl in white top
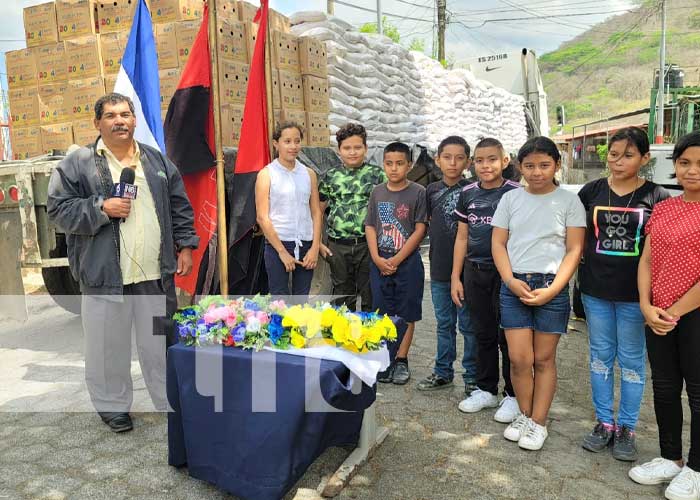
column 289, row 214
column 536, row 243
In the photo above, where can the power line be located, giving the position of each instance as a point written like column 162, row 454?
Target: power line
column 488, row 21
column 501, row 10
column 388, row 14
column 424, row 6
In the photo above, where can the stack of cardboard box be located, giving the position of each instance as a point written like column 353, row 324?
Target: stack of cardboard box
column 73, row 55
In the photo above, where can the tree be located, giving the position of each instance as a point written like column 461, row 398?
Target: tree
column 388, row 29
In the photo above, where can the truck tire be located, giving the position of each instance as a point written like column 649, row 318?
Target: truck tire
column 59, row 282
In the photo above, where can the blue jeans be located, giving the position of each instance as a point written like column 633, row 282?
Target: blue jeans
column 277, row 275
column 448, row 316
column 616, row 330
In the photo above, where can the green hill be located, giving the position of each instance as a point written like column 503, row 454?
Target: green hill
column 609, row 69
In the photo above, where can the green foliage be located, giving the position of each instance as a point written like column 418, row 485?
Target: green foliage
column 569, row 57
column 694, row 20
column 388, row 29
column 417, row 44
column 602, row 150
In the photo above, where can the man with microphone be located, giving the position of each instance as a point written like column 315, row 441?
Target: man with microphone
column 129, row 228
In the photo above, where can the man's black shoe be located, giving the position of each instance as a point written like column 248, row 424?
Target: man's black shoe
column 117, row 422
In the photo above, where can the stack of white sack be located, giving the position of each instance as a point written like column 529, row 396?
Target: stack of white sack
column 406, row 96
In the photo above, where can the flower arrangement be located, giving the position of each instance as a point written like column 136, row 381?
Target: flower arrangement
column 254, row 323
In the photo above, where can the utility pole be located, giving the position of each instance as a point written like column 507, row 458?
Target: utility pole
column 380, row 28
column 329, row 7
column 442, row 24
column 661, row 90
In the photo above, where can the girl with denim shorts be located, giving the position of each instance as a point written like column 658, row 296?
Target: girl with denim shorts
column 537, row 243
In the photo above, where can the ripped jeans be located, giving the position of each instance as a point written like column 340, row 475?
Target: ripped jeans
column 616, row 330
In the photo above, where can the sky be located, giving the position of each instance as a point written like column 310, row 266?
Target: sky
column 466, row 36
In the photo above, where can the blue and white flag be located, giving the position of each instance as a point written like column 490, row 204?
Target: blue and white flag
column 138, row 79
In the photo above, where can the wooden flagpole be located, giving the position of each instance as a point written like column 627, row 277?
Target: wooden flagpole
column 222, row 238
column 268, row 84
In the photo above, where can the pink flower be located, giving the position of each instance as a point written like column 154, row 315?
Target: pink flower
column 223, row 313
column 277, row 305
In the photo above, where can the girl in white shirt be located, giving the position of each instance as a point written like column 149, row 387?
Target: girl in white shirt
column 289, row 214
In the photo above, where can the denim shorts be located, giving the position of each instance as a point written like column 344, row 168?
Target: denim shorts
column 552, row 317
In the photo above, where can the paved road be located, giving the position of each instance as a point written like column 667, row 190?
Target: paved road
column 433, row 451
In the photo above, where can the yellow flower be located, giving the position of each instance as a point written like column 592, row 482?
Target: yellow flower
column 313, row 324
column 328, row 316
column 389, row 327
column 374, row 334
column 294, row 316
column 357, row 332
column 340, row 329
column 351, row 347
column 298, row 340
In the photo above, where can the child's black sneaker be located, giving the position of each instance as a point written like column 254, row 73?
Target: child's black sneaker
column 401, row 373
column 599, row 438
column 387, row 376
column 432, row 382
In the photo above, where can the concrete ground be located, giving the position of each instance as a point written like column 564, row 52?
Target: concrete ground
column 433, row 451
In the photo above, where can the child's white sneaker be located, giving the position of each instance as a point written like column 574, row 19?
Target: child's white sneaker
column 477, row 401
column 517, row 428
column 508, row 410
column 534, row 437
column 657, row 471
column 685, row 486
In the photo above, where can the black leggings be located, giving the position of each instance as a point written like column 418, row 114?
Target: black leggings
column 675, row 358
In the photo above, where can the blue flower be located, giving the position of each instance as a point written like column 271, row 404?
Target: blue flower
column 275, row 329
column 238, row 333
column 202, row 327
column 185, row 330
column 189, row 312
column 251, row 305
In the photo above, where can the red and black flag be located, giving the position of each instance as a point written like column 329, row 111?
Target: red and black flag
column 189, row 142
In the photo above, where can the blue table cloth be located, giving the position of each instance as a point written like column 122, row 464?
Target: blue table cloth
column 256, row 455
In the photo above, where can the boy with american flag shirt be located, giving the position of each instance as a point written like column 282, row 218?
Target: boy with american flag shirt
column 395, row 226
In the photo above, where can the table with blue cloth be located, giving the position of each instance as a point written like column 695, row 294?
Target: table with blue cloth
column 256, row 455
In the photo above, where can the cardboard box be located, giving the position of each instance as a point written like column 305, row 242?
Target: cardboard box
column 169, row 78
column 166, row 45
column 112, row 46
column 21, row 68
column 84, row 132
column 110, row 82
column 26, row 142
column 166, row 11
column 292, row 115
column 24, row 106
column 51, row 63
column 83, row 56
column 316, row 94
column 251, row 34
column 53, row 103
column 227, row 9
column 312, row 57
column 231, row 123
column 291, row 90
column 115, row 15
column 233, row 77
column 285, row 51
column 246, row 11
column 276, row 100
column 56, row 137
column 40, row 24
column 233, row 41
column 317, row 130
column 76, row 18
column 82, row 96
column 186, row 32
column 279, row 22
